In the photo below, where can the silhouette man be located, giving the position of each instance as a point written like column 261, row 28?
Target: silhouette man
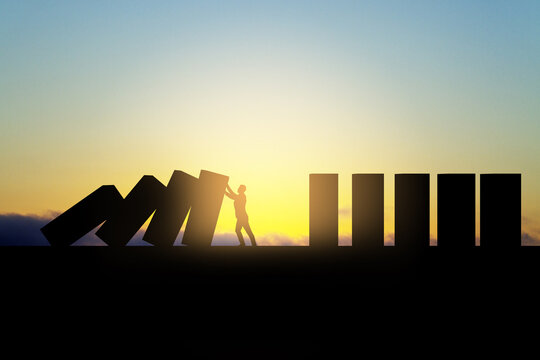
column 241, row 214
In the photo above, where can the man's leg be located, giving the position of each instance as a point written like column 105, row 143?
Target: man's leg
column 239, row 233
column 250, row 234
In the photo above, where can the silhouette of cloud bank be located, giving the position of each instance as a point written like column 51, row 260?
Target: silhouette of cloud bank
column 24, row 230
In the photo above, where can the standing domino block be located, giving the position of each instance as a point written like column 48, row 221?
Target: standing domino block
column 323, row 210
column 500, row 210
column 412, row 211
column 456, row 210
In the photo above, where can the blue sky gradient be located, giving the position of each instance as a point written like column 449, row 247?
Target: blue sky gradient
column 103, row 92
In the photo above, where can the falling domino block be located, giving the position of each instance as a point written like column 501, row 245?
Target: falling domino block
column 171, row 213
column 205, row 209
column 82, row 217
column 136, row 208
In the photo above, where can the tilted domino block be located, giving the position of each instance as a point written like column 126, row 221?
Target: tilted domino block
column 82, row 217
column 171, row 213
column 205, row 209
column 136, row 208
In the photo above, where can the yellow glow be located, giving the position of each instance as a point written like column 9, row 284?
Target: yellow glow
column 265, row 123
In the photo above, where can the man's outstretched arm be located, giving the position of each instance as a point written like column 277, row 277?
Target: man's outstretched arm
column 230, row 190
column 230, row 194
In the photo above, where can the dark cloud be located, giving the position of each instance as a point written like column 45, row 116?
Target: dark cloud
column 24, row 230
column 17, row 230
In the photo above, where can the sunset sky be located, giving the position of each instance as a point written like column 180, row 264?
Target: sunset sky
column 266, row 92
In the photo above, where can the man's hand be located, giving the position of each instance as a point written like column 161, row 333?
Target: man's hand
column 230, row 194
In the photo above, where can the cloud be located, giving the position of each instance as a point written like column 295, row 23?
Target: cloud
column 226, row 239
column 91, row 239
column 283, row 240
column 530, row 240
column 531, row 235
column 345, row 240
column 16, row 229
column 389, row 239
column 24, row 230
column 274, row 239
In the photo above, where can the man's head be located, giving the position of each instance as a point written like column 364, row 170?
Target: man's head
column 242, row 189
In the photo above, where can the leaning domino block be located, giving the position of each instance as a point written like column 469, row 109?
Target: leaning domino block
column 82, row 217
column 136, row 208
column 172, row 212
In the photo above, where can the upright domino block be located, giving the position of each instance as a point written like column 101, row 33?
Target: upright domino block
column 500, row 210
column 136, row 208
column 456, row 200
column 323, row 210
column 412, row 211
column 367, row 211
column 82, row 217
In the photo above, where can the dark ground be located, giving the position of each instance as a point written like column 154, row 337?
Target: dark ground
column 271, row 302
